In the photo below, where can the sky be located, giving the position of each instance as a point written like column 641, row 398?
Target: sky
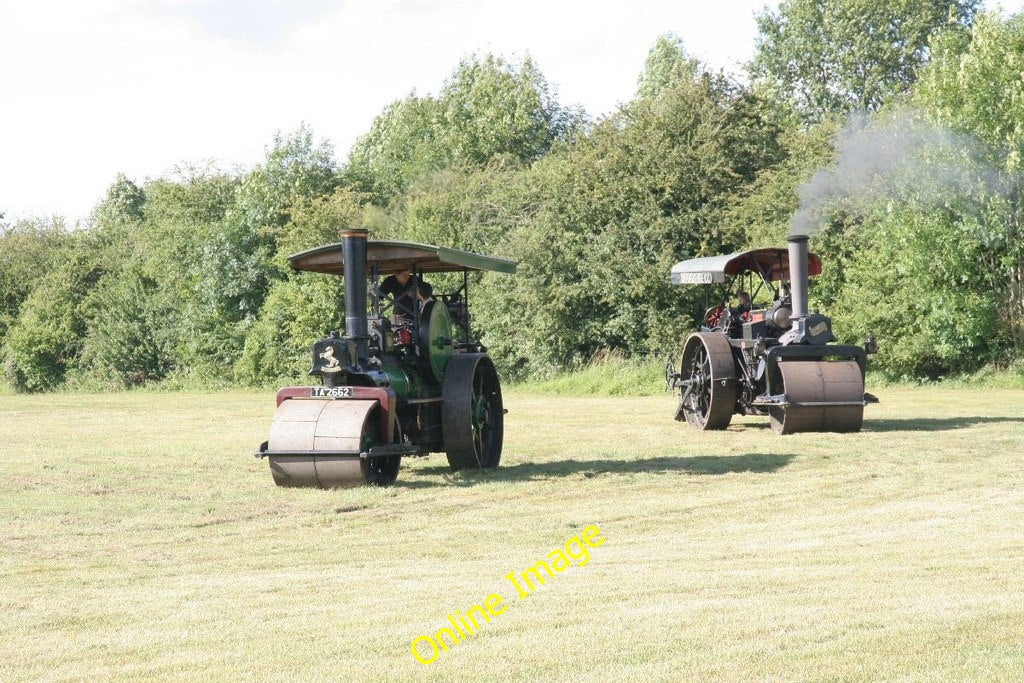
column 93, row 88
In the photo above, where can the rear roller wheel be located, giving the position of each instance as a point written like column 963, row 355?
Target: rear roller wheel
column 708, row 379
column 328, row 426
column 472, row 413
column 806, row 383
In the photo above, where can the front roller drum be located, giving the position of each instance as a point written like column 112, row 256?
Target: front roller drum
column 707, row 376
column 472, row 412
column 823, row 396
column 328, row 426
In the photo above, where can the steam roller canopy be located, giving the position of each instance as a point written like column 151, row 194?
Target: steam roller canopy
column 327, row 426
column 837, row 388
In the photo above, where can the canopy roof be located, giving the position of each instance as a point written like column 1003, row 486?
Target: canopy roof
column 392, row 256
column 772, row 263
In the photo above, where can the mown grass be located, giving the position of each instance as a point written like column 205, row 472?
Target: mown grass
column 612, row 375
column 141, row 540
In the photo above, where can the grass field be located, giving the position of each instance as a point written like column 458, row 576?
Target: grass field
column 140, row 539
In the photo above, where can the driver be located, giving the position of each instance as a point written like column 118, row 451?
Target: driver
column 403, row 286
column 739, row 314
column 742, row 302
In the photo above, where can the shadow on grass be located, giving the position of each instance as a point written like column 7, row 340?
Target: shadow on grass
column 932, row 424
column 699, row 464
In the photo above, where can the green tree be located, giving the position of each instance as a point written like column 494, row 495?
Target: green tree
column 304, row 307
column 235, row 266
column 977, row 88
column 296, row 313
column 131, row 329
column 489, row 108
column 29, row 250
column 124, row 202
column 604, row 219
column 666, row 63
column 400, row 145
column 45, row 341
column 836, row 56
column 160, row 260
column 915, row 283
column 296, row 166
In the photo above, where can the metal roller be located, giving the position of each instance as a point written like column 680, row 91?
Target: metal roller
column 321, row 425
column 823, row 396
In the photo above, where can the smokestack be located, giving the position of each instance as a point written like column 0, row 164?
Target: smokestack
column 353, row 244
column 798, row 273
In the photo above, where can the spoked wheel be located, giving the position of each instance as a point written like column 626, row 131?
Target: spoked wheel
column 708, row 380
column 713, row 316
column 472, row 414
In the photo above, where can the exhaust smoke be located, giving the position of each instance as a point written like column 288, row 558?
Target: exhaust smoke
column 899, row 156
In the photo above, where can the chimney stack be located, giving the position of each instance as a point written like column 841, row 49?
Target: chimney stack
column 353, row 244
column 798, row 274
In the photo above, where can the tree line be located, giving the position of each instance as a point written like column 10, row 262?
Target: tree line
column 186, row 277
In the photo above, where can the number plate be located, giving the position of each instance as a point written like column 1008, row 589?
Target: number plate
column 330, row 392
column 694, row 278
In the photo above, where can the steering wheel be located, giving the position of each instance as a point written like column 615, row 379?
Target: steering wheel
column 713, row 316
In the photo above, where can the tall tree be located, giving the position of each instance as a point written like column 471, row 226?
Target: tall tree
column 835, row 56
column 488, row 108
column 29, row 250
column 603, row 219
column 976, row 87
column 400, row 145
column 492, row 107
column 666, row 62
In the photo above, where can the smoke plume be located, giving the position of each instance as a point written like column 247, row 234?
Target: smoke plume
column 898, row 157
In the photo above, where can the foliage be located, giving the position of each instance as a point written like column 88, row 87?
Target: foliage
column 131, row 329
column 186, row 277
column 766, row 206
column 399, row 145
column 29, row 250
column 666, row 63
column 296, row 313
column 605, row 218
column 488, row 108
column 838, row 56
column 915, row 284
column 45, row 341
column 978, row 89
column 975, row 86
column 317, row 220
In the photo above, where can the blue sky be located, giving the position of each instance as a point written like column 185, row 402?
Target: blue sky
column 97, row 87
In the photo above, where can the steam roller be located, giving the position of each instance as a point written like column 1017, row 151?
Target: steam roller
column 760, row 351
column 405, row 379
